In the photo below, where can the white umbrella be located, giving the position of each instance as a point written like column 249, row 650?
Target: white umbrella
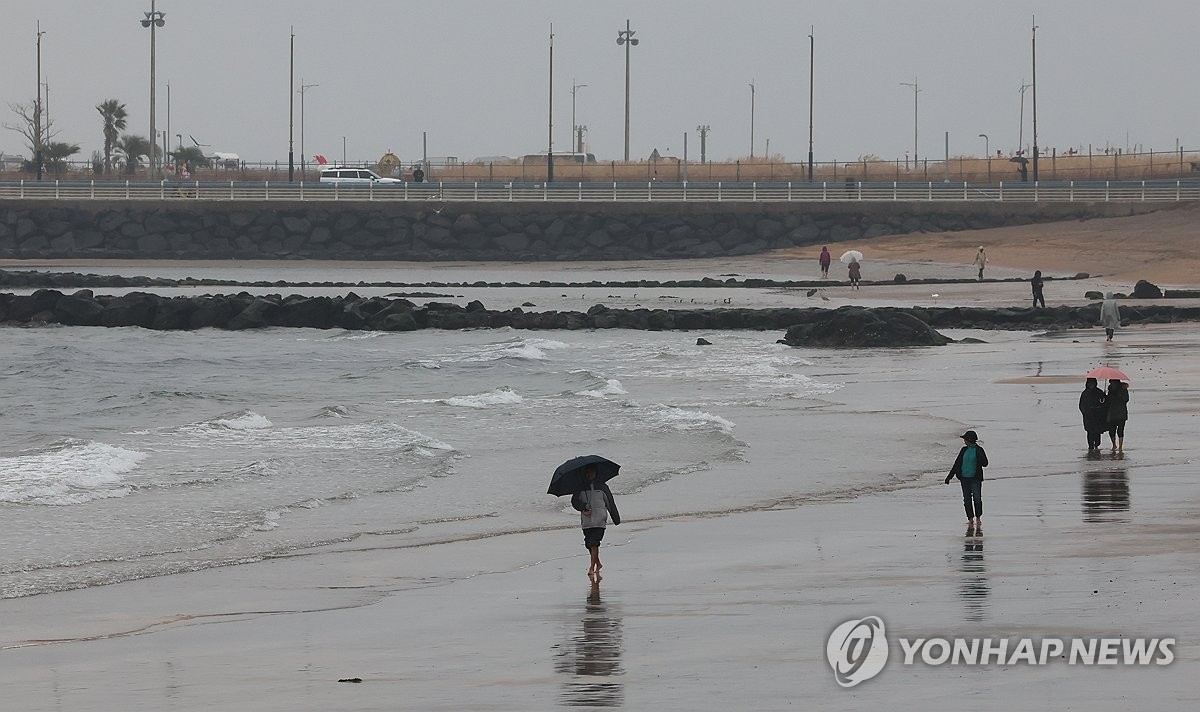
column 849, row 255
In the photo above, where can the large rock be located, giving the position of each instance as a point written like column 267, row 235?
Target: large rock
column 855, row 327
column 1146, row 290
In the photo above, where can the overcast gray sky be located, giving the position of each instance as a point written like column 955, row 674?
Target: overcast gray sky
column 473, row 74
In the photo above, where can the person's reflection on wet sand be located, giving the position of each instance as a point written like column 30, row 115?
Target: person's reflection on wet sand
column 1106, row 495
column 973, row 586
column 592, row 657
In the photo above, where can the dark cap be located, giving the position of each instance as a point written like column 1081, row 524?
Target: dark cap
column 970, row 436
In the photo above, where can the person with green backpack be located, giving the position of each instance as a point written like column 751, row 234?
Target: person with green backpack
column 968, row 468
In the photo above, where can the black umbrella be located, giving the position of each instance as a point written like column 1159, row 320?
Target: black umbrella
column 569, row 479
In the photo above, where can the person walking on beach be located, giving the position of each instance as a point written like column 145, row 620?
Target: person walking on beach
column 981, row 261
column 1094, row 407
column 824, row 259
column 595, row 504
column 1117, row 413
column 855, row 273
column 1036, row 283
column 1110, row 315
column 968, row 468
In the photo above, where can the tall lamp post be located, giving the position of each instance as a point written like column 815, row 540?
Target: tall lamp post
column 811, row 55
column 550, row 115
column 37, row 107
column 1021, row 129
column 303, row 161
column 751, row 118
column 916, row 90
column 575, row 129
column 153, row 20
column 291, row 104
column 987, row 152
column 626, row 37
column 1035, row 145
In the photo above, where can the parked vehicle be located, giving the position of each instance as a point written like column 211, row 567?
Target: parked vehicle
column 342, row 175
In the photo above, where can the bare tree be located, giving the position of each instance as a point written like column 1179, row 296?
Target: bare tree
column 36, row 130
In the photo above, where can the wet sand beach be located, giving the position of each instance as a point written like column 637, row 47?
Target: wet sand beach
column 727, row 605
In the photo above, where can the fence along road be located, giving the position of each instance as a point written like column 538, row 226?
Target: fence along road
column 641, row 192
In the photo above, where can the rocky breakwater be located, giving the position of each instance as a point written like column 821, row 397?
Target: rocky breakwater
column 247, row 311
column 858, row 327
column 422, row 231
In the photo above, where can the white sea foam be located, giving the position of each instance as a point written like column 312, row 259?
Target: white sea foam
column 242, row 420
column 611, row 387
column 684, row 419
column 70, row 472
column 500, row 396
column 519, row 349
column 364, row 435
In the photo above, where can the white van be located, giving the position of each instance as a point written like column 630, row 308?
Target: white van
column 342, row 175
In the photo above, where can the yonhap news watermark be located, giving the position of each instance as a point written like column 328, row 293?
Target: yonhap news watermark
column 858, row 650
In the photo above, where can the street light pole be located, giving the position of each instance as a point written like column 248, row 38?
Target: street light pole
column 626, row 37
column 1035, row 144
column 1021, row 130
column 916, row 89
column 153, row 20
column 37, row 107
column 574, row 129
column 751, row 118
column 550, row 115
column 303, row 160
column 291, row 103
column 987, row 151
column 811, row 56
column 703, row 131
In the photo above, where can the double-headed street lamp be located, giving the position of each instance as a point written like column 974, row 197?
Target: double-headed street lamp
column 626, row 37
column 153, row 20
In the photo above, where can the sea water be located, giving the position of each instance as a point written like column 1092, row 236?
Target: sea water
column 130, row 453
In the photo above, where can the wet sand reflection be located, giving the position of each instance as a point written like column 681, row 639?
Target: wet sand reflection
column 1105, row 495
column 974, row 587
column 591, row 660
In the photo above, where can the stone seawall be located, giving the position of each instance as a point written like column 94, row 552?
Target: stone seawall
column 182, row 229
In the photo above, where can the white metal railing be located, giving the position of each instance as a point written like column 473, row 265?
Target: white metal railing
column 758, row 192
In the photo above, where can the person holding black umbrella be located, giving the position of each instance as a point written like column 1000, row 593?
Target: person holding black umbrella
column 585, row 479
column 595, row 505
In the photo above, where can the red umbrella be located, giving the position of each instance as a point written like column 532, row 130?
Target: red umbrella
column 1106, row 373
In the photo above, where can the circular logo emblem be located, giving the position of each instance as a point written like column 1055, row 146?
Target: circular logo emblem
column 857, row 650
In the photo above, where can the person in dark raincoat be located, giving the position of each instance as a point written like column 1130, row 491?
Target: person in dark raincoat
column 1093, row 406
column 595, row 505
column 1117, row 413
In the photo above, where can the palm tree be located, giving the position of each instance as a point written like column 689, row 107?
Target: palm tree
column 190, row 156
column 133, row 148
column 114, row 115
column 56, row 153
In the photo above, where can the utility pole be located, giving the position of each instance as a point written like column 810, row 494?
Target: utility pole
column 751, row 118
column 1035, row 143
column 550, row 115
column 291, row 104
column 916, row 89
column 579, row 131
column 703, row 130
column 37, row 107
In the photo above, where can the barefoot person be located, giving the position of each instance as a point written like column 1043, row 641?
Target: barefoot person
column 1117, row 403
column 824, row 261
column 595, row 503
column 968, row 468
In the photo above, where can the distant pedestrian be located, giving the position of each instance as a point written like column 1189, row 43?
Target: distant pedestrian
column 1036, row 283
column 968, row 468
column 1110, row 316
column 825, row 259
column 1093, row 405
column 594, row 503
column 981, row 261
column 855, row 273
column 1118, row 412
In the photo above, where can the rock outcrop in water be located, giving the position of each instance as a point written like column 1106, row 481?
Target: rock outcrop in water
column 848, row 327
column 247, row 311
